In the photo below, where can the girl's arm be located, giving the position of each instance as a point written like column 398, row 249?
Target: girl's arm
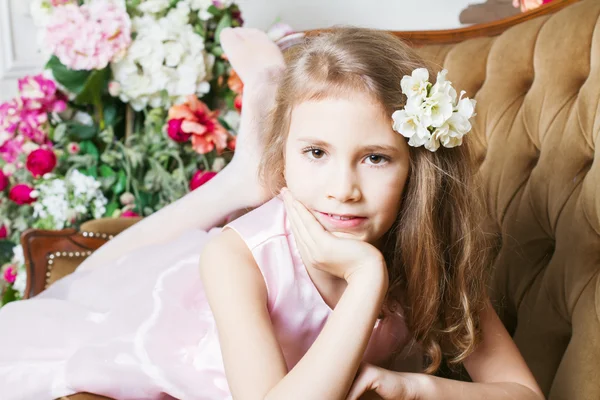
column 203, row 208
column 497, row 369
column 254, row 364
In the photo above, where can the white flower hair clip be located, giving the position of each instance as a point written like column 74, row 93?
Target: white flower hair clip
column 432, row 115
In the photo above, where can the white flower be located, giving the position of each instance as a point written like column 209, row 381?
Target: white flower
column 416, row 85
column 153, row 6
column 218, row 164
column 432, row 115
column 18, row 256
column 232, row 118
column 62, row 200
column 28, row 147
column 166, row 62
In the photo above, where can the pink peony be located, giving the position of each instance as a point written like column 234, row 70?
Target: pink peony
column 200, row 178
column 21, row 194
column 90, row 36
column 10, row 274
column 174, row 131
column 39, row 93
column 201, row 123
column 41, row 161
column 129, row 214
column 3, row 180
column 3, row 232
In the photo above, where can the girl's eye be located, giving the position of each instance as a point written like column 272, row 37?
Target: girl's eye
column 377, row 159
column 314, row 152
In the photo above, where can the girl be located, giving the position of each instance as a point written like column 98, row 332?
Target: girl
column 371, row 242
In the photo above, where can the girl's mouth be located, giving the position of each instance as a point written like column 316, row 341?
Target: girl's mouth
column 342, row 221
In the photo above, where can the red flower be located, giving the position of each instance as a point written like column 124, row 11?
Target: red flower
column 174, row 131
column 129, row 214
column 237, row 103
column 231, row 143
column 201, row 123
column 41, row 161
column 200, row 178
column 3, row 181
column 3, row 232
column 10, row 275
column 21, row 194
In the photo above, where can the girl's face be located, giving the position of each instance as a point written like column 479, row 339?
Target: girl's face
column 346, row 165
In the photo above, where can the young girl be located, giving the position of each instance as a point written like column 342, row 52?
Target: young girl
column 371, row 241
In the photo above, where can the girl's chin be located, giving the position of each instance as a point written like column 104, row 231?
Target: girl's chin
column 348, row 235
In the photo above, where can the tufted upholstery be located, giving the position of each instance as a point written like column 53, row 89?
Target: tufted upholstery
column 538, row 124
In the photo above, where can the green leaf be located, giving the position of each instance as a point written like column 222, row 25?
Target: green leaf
column 78, row 132
column 74, row 81
column 110, row 208
column 200, row 30
column 87, row 147
column 10, row 294
column 121, row 183
column 225, row 22
column 95, row 85
column 106, row 171
column 111, row 117
column 59, row 133
column 6, row 251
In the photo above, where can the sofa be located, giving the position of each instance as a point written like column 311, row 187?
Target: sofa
column 536, row 79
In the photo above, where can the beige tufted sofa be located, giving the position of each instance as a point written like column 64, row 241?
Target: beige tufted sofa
column 536, row 78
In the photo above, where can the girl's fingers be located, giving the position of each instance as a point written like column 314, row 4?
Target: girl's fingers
column 301, row 236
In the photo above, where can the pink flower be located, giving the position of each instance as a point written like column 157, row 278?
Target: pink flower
column 174, row 131
column 73, row 148
column 200, row 178
column 199, row 121
column 41, row 161
column 129, row 214
column 10, row 116
column 3, row 232
column 11, row 149
column 21, row 194
column 237, row 103
column 89, row 36
column 39, row 93
column 10, row 274
column 3, row 181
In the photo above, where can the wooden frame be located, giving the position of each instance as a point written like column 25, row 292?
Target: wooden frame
column 39, row 245
column 445, row 36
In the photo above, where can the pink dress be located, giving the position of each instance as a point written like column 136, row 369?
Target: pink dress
column 141, row 327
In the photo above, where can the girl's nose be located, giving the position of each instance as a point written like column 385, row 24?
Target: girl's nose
column 343, row 185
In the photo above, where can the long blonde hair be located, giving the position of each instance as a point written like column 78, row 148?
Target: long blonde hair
column 437, row 257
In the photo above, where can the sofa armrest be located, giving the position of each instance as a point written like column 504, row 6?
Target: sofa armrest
column 50, row 255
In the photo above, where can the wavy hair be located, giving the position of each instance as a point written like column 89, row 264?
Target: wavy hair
column 436, row 250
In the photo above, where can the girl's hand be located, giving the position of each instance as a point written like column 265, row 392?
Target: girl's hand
column 388, row 385
column 341, row 257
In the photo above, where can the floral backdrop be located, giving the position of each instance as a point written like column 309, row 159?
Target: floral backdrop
column 136, row 106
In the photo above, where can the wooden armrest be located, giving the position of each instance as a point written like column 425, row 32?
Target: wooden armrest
column 42, row 249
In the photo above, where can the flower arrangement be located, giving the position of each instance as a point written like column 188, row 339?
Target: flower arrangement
column 433, row 115
column 136, row 106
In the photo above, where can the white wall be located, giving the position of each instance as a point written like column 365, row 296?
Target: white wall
column 19, row 57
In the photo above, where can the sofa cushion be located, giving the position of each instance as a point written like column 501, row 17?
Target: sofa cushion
column 537, row 86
